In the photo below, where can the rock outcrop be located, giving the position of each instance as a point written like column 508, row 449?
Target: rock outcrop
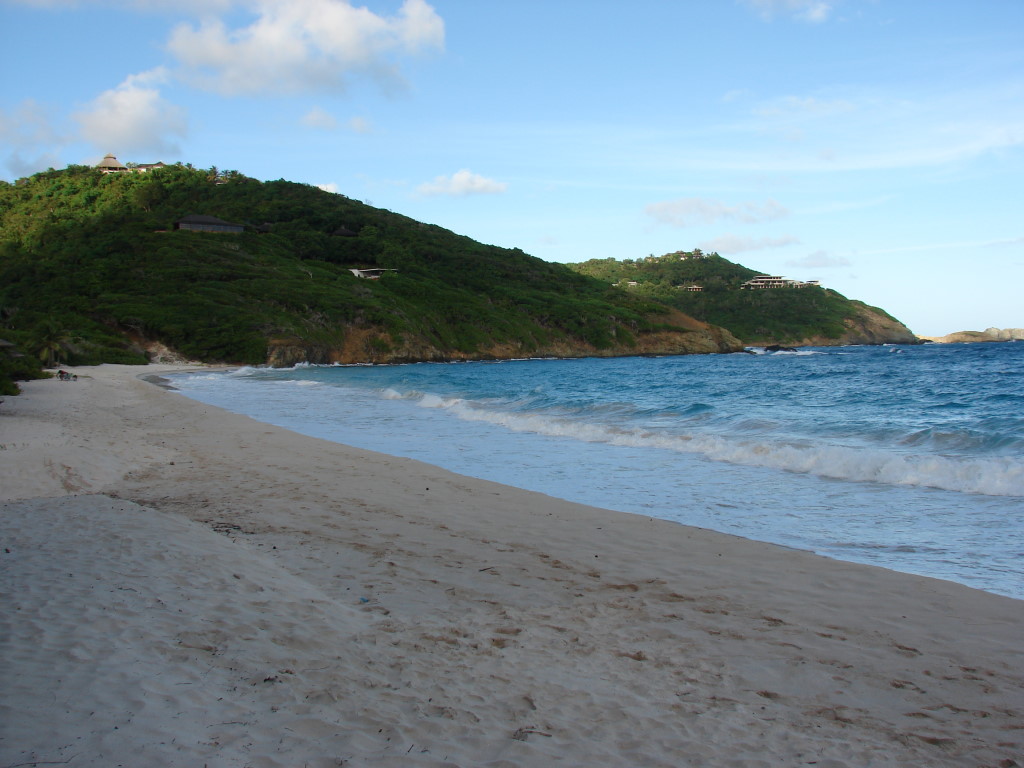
column 988, row 335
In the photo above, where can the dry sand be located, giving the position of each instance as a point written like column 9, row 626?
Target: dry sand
column 182, row 586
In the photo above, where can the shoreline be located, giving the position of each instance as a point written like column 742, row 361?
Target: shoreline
column 352, row 605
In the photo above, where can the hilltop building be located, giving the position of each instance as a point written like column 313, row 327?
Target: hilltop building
column 110, row 164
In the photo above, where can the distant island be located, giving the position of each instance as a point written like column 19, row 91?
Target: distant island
column 988, row 335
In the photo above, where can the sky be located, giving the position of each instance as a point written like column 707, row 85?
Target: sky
column 874, row 145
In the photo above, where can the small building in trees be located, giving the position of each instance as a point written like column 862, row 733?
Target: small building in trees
column 198, row 223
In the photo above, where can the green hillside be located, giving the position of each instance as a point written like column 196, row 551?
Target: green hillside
column 92, row 269
column 787, row 315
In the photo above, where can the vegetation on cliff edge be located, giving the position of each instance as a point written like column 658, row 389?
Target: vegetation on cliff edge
column 758, row 316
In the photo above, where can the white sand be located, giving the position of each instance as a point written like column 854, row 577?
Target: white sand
column 181, row 586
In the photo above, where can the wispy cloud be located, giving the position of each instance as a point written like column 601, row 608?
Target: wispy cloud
column 460, row 184
column 998, row 243
column 879, row 129
column 813, row 11
column 739, row 244
column 802, row 106
column 360, row 125
column 320, row 119
column 29, row 134
column 819, row 260
column 690, row 211
column 203, row 6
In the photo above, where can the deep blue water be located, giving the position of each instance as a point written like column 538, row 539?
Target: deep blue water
column 910, row 458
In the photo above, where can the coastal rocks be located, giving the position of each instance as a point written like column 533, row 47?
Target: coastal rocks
column 988, row 335
column 1006, row 334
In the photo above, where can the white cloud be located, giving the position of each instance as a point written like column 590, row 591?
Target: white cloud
column 319, row 118
column 330, row 187
column 689, row 211
column 297, row 46
column 814, row 11
column 819, row 260
column 737, row 244
column 133, row 117
column 460, row 184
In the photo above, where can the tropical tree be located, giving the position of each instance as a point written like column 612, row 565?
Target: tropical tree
column 50, row 342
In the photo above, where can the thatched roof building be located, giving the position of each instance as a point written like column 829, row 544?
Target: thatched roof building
column 111, row 164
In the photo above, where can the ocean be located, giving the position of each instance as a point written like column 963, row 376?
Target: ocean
column 906, row 457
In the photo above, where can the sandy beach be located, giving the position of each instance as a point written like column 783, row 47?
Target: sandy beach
column 182, row 586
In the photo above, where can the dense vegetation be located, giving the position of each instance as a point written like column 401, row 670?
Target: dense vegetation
column 773, row 316
column 93, row 270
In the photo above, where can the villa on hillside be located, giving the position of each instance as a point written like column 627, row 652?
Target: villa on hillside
column 774, row 281
column 110, row 164
column 375, row 273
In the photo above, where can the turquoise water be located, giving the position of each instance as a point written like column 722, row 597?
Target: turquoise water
column 911, row 458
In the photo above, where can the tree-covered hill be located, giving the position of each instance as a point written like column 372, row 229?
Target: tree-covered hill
column 805, row 315
column 93, row 269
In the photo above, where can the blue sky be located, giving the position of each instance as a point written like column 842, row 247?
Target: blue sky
column 875, row 145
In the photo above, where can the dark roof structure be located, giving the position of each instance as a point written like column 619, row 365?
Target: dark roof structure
column 202, row 223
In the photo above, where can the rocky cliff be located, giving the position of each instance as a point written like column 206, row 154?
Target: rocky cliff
column 682, row 335
column 869, row 325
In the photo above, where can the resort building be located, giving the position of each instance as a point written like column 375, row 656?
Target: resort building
column 110, row 164
column 774, row 281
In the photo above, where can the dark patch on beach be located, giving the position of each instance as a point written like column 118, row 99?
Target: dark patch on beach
column 160, row 381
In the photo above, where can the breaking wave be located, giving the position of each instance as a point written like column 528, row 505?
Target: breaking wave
column 994, row 476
